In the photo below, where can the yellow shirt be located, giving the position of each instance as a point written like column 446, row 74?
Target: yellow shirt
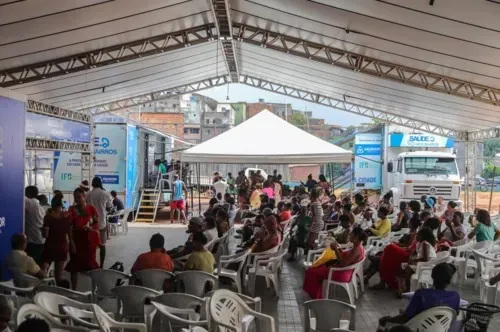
column 200, row 261
column 19, row 262
column 382, row 227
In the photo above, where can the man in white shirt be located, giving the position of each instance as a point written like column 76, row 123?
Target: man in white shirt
column 19, row 262
column 101, row 200
column 33, row 216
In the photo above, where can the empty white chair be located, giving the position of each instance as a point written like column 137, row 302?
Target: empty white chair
column 422, row 275
column 81, row 317
column 195, row 329
column 463, row 260
column 349, row 286
column 236, row 276
column 437, row 319
column 323, row 315
column 176, row 315
column 131, row 300
column 103, row 281
column 53, row 303
column 84, row 297
column 220, row 187
column 484, row 263
column 227, row 310
column 488, row 293
column 195, row 282
column 152, row 278
column 255, row 304
column 8, row 287
column 108, row 324
column 266, row 267
column 34, row 311
column 123, row 220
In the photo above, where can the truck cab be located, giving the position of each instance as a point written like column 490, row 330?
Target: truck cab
column 430, row 173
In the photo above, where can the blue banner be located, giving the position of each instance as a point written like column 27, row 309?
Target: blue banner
column 367, row 161
column 132, row 164
column 42, row 126
column 420, row 140
column 110, row 147
column 12, row 143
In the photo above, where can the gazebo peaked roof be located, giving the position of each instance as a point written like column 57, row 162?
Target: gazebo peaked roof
column 266, row 139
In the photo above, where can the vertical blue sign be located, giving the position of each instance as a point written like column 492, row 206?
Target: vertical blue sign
column 367, row 166
column 132, row 167
column 12, row 143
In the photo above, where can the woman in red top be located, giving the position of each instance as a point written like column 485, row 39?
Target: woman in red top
column 84, row 237
column 56, row 225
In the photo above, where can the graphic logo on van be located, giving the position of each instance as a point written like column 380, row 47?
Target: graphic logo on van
column 102, row 144
column 432, row 190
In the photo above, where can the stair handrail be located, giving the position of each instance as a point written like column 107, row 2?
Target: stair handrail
column 157, row 193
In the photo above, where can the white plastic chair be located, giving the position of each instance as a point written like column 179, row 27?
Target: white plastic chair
column 463, row 262
column 34, row 311
column 53, row 303
column 323, row 315
column 195, row 282
column 24, row 280
column 153, row 278
column 484, row 264
column 108, row 324
column 227, row 311
column 103, row 281
column 176, row 316
column 84, row 297
column 266, row 267
column 236, row 276
column 437, row 319
column 422, row 275
column 254, row 304
column 123, row 220
column 131, row 300
column 350, row 286
column 8, row 287
column 81, row 317
column 220, row 187
column 488, row 293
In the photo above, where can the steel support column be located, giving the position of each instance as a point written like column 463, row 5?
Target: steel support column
column 347, row 106
column 470, row 176
column 223, row 24
column 366, row 65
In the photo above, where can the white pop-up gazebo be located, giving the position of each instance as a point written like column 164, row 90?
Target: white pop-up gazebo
column 266, row 139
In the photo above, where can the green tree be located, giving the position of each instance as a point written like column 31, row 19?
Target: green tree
column 298, row 119
column 487, row 172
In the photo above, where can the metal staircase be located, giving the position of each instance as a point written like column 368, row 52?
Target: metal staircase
column 149, row 202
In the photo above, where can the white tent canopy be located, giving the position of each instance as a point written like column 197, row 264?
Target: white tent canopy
column 266, row 139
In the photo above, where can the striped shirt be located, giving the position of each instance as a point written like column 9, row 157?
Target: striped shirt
column 317, row 217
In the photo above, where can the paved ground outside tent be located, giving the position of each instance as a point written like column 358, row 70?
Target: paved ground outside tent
column 288, row 310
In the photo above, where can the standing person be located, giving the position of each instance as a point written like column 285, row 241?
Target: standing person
column 101, row 201
column 33, row 216
column 44, row 202
column 85, row 185
column 317, row 223
column 231, row 185
column 310, row 183
column 84, row 237
column 325, row 185
column 241, row 181
column 177, row 199
column 56, row 225
column 269, row 189
column 278, row 188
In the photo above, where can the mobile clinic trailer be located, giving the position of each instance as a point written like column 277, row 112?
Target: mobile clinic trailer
column 119, row 149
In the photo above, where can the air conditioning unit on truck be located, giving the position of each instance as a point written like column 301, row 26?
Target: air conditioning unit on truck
column 417, row 173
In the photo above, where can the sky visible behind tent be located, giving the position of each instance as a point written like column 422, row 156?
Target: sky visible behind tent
column 241, row 92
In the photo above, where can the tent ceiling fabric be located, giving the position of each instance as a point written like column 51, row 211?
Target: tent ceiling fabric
column 463, row 43
column 252, row 142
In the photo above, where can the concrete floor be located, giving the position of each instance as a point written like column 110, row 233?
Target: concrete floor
column 288, row 308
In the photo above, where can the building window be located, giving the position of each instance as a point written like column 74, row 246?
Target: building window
column 195, row 130
column 208, row 121
column 186, row 130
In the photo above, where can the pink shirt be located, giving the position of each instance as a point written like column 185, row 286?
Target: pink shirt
column 269, row 192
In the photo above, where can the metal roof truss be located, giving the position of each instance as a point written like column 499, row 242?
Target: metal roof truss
column 360, row 63
column 156, row 96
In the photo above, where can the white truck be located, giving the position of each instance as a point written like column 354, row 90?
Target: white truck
column 413, row 174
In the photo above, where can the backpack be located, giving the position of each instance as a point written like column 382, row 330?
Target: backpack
column 118, row 266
